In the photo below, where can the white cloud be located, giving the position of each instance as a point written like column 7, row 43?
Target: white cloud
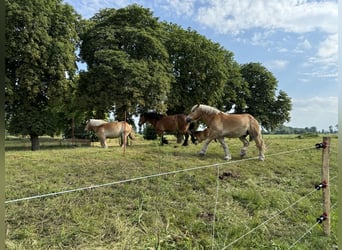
column 276, row 64
column 299, row 16
column 303, row 46
column 320, row 112
column 328, row 50
column 235, row 16
column 323, row 63
column 261, row 38
column 181, row 7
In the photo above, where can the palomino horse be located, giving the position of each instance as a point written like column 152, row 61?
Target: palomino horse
column 222, row 125
column 110, row 130
column 175, row 124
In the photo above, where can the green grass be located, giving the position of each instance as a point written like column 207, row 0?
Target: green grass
column 174, row 211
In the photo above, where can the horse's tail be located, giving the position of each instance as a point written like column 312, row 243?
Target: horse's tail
column 255, row 133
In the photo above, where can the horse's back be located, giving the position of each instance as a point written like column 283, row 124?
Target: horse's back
column 111, row 129
column 175, row 123
column 234, row 125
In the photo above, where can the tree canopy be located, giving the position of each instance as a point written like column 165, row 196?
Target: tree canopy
column 41, row 39
column 263, row 102
column 200, row 69
column 128, row 67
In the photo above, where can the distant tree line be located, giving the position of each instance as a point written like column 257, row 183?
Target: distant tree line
column 134, row 63
column 312, row 130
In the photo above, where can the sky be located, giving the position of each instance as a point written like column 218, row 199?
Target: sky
column 294, row 39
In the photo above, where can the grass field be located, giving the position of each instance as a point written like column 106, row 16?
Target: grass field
column 167, row 197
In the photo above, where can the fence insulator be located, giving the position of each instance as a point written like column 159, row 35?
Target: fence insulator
column 321, row 185
column 322, row 218
column 321, row 145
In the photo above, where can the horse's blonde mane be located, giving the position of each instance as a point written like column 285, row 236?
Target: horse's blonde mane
column 96, row 122
column 208, row 109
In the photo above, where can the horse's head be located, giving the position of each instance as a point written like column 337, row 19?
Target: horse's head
column 150, row 117
column 194, row 114
column 87, row 126
column 200, row 136
column 142, row 120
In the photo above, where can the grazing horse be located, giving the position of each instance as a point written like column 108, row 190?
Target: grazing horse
column 175, row 124
column 222, row 125
column 200, row 136
column 111, row 130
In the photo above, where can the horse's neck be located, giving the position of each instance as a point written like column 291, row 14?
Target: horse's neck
column 95, row 128
column 154, row 122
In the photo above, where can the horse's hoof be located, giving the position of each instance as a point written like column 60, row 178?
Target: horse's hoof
column 201, row 154
column 261, row 158
column 227, row 158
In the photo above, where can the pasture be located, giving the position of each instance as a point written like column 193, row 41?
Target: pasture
column 202, row 203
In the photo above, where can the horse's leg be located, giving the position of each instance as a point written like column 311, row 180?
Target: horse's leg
column 193, row 140
column 227, row 155
column 162, row 139
column 121, row 140
column 204, row 149
column 245, row 142
column 261, row 146
column 102, row 139
column 103, row 142
column 126, row 141
column 179, row 137
column 185, row 143
column 209, row 138
column 165, row 141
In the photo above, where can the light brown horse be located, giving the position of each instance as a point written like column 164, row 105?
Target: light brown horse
column 174, row 124
column 222, row 125
column 111, row 130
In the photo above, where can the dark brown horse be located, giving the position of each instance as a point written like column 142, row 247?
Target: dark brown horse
column 174, row 124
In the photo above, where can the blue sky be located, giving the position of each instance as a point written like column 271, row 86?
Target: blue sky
column 295, row 39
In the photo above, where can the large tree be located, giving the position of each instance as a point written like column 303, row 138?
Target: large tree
column 128, row 65
column 41, row 39
column 201, row 69
column 270, row 108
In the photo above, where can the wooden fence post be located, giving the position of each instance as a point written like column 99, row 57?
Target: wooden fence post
column 326, row 190
column 124, row 136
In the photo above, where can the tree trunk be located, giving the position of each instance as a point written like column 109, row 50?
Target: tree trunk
column 34, row 142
